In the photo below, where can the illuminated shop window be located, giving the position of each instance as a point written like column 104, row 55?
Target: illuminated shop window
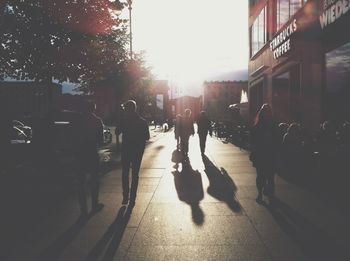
column 258, row 32
column 286, row 9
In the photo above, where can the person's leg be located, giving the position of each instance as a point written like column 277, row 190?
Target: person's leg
column 96, row 206
column 136, row 164
column 125, row 177
column 202, row 141
column 260, row 183
column 81, row 177
column 184, row 141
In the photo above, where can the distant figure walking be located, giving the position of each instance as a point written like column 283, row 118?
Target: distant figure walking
column 177, row 130
column 264, row 133
column 91, row 139
column 186, row 130
column 204, row 127
column 135, row 133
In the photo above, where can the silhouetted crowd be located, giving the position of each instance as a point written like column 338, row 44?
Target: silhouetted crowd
column 319, row 159
column 300, row 150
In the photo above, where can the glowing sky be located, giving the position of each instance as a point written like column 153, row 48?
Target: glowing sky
column 190, row 40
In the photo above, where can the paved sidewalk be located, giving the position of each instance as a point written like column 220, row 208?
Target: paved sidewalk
column 202, row 211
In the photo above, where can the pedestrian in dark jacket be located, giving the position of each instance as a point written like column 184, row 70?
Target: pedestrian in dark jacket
column 135, row 133
column 91, row 139
column 177, row 130
column 186, row 130
column 204, row 127
column 264, row 135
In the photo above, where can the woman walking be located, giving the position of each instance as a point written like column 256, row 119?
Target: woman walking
column 264, row 135
column 204, row 127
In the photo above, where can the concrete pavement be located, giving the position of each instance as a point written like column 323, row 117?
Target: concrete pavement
column 205, row 210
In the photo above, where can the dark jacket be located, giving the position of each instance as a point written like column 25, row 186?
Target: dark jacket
column 264, row 141
column 186, row 127
column 204, row 126
column 135, row 131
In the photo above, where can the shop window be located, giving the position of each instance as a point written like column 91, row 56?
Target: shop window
column 286, row 95
column 286, row 9
column 258, row 32
column 280, row 96
column 337, row 92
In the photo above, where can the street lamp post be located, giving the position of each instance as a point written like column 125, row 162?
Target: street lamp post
column 129, row 6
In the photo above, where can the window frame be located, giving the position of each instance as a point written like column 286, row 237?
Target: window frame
column 255, row 44
column 279, row 26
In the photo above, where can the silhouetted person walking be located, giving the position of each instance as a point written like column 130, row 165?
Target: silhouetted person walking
column 135, row 133
column 177, row 130
column 91, row 139
column 264, row 134
column 204, row 127
column 186, row 130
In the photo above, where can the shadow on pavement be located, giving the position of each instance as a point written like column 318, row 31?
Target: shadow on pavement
column 189, row 188
column 221, row 186
column 112, row 237
column 315, row 243
column 56, row 248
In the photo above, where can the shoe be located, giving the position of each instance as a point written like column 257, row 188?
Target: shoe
column 98, row 207
column 125, row 200
column 259, row 199
column 132, row 203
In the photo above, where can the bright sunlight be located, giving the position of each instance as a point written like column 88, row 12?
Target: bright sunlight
column 188, row 42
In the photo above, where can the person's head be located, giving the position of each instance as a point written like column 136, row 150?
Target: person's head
column 294, row 128
column 264, row 114
column 283, row 127
column 345, row 125
column 327, row 127
column 188, row 113
column 130, row 106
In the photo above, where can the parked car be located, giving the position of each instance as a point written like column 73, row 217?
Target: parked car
column 26, row 129
column 18, row 136
column 107, row 135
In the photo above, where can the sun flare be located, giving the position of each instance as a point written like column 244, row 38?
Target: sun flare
column 190, row 41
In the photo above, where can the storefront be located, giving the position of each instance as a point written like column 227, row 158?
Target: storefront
column 300, row 60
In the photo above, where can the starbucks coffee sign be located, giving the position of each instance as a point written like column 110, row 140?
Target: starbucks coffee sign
column 333, row 10
column 281, row 43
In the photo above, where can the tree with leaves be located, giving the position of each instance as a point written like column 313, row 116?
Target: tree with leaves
column 79, row 41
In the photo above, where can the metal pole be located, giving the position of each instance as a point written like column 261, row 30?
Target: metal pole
column 130, row 8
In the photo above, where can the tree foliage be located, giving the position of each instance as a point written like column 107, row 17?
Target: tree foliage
column 79, row 41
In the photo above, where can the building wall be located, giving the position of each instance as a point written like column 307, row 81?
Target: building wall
column 217, row 97
column 302, row 98
column 187, row 102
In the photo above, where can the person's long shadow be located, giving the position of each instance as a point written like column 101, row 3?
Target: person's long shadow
column 57, row 247
column 189, row 188
column 111, row 238
column 314, row 242
column 221, row 186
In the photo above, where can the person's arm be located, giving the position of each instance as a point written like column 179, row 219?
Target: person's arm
column 210, row 129
column 100, row 133
column 147, row 134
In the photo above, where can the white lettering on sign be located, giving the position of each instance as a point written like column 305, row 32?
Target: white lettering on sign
column 333, row 11
column 281, row 43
